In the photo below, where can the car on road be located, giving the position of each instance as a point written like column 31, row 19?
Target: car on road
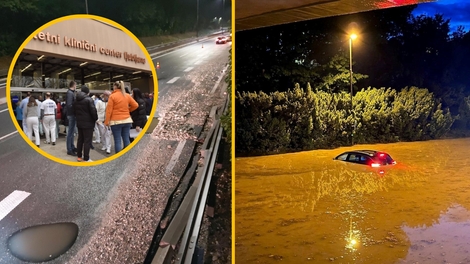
column 372, row 158
column 221, row 40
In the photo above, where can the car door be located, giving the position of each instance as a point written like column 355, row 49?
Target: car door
column 358, row 162
column 354, row 158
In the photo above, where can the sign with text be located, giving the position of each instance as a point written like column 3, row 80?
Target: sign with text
column 89, row 40
column 85, row 45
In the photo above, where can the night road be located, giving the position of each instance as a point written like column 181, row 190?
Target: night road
column 177, row 67
column 309, row 208
column 116, row 205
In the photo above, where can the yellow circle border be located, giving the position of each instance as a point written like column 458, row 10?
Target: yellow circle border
column 123, row 151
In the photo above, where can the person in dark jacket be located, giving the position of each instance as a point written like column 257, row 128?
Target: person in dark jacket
column 148, row 103
column 69, row 99
column 139, row 116
column 86, row 115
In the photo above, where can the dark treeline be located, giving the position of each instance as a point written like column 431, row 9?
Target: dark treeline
column 394, row 49
column 19, row 18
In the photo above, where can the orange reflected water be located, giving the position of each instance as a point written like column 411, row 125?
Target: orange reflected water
column 305, row 207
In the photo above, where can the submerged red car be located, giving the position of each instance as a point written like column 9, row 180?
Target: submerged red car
column 372, row 158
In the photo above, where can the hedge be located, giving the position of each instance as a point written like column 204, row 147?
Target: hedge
column 302, row 119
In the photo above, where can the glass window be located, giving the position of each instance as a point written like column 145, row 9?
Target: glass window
column 354, row 157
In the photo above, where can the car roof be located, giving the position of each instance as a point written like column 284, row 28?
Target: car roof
column 367, row 152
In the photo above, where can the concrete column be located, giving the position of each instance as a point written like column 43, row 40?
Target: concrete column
column 37, row 79
column 16, row 80
column 70, row 77
column 54, row 80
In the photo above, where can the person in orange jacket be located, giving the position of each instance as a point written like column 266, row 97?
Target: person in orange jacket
column 118, row 116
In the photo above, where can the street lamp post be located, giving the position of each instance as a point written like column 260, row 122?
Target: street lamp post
column 197, row 20
column 353, row 36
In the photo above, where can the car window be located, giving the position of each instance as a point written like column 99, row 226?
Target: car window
column 342, row 157
column 354, row 157
column 364, row 160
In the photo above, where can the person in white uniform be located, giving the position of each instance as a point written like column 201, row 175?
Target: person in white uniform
column 41, row 131
column 48, row 116
column 23, row 106
column 97, row 128
column 30, row 114
column 104, row 130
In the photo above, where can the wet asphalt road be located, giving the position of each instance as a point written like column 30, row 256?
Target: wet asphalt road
column 62, row 193
column 6, row 126
column 176, row 65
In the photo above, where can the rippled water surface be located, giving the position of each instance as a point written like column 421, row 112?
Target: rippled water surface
column 305, row 207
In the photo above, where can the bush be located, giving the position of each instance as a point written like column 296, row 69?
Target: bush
column 304, row 119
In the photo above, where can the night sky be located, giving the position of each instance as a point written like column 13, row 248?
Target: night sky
column 458, row 11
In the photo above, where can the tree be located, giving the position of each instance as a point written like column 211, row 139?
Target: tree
column 276, row 58
column 335, row 75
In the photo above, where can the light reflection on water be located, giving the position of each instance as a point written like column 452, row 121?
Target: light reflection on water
column 304, row 206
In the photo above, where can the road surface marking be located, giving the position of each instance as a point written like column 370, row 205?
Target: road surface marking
column 1, row 111
column 188, row 69
column 175, row 157
column 157, row 55
column 218, row 81
column 173, row 80
column 8, row 135
column 198, row 62
column 184, row 54
column 11, row 201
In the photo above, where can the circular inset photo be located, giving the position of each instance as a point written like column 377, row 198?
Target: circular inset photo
column 82, row 90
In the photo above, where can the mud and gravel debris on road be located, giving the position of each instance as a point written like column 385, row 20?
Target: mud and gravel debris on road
column 185, row 109
column 133, row 212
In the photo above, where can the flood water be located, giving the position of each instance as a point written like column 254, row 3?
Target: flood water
column 306, row 207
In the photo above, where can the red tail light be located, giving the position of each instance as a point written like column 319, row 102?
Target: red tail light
column 394, row 162
column 375, row 165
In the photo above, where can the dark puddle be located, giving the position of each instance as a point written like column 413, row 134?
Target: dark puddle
column 43, row 242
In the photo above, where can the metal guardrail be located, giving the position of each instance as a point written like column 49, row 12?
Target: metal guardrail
column 191, row 233
column 186, row 40
column 190, row 212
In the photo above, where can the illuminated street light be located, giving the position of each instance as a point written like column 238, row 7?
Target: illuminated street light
column 197, row 19
column 353, row 36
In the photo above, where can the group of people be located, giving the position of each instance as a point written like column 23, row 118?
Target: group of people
column 115, row 112
column 38, row 117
